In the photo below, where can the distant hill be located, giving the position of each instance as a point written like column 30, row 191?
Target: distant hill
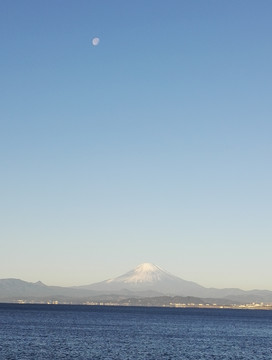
column 15, row 290
column 146, row 281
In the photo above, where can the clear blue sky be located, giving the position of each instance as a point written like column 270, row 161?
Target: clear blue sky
column 154, row 146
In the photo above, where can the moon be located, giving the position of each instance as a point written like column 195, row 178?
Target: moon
column 95, row 41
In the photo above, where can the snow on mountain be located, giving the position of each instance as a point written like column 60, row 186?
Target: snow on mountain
column 144, row 273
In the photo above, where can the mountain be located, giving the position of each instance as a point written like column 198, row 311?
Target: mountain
column 145, row 281
column 150, row 280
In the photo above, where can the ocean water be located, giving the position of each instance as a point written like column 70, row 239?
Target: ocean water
column 93, row 332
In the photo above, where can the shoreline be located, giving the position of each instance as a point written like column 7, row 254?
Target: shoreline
column 252, row 306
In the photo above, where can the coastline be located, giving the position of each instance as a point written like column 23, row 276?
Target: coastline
column 252, row 306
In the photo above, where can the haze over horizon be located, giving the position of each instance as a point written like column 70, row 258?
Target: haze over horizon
column 152, row 144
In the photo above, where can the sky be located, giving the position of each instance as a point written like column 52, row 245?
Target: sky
column 152, row 146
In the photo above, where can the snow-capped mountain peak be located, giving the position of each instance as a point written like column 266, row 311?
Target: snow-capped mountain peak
column 144, row 273
column 146, row 277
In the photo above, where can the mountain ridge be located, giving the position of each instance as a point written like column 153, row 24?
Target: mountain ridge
column 146, row 280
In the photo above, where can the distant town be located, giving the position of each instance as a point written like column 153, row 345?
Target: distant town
column 148, row 303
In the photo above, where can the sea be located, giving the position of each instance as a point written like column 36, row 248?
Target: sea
column 29, row 331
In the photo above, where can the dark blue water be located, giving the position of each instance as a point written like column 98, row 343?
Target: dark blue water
column 93, row 332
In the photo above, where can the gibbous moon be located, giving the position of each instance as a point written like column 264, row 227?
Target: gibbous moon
column 95, row 41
